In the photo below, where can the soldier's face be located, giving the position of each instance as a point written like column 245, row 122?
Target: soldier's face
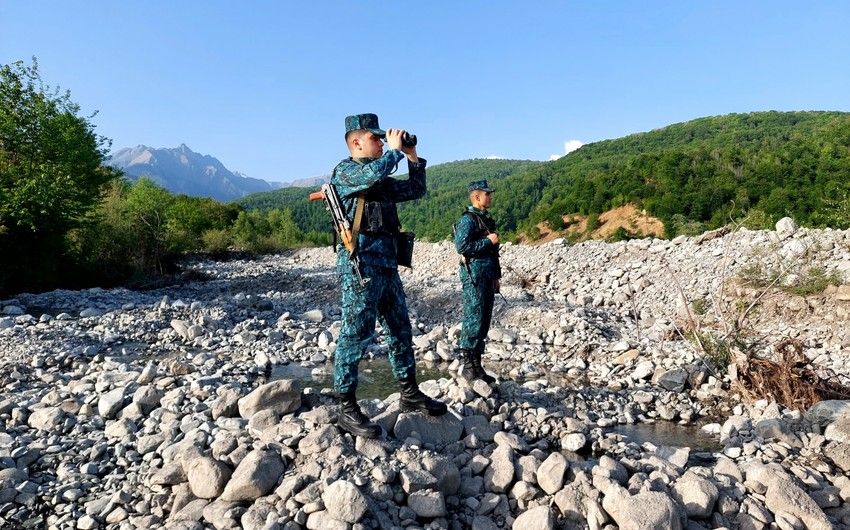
column 371, row 146
column 482, row 199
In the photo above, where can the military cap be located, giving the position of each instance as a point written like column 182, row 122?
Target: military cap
column 480, row 185
column 364, row 121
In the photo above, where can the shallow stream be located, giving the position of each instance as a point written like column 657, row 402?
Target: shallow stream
column 376, row 380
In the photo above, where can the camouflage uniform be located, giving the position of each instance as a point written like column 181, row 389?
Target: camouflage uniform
column 383, row 296
column 479, row 272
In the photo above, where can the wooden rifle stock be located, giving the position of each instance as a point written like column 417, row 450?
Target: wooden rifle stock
column 335, row 208
column 341, row 224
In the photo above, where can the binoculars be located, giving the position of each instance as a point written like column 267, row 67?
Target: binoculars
column 408, row 140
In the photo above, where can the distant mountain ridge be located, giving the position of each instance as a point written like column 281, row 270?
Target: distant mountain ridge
column 309, row 182
column 181, row 170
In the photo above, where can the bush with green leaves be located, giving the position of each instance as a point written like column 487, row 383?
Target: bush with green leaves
column 51, row 179
column 141, row 230
column 264, row 232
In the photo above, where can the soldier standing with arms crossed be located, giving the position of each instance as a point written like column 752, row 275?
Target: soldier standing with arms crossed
column 480, row 273
column 365, row 178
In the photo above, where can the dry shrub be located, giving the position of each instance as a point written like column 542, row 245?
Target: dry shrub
column 790, row 379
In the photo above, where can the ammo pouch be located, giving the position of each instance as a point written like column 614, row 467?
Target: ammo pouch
column 404, row 248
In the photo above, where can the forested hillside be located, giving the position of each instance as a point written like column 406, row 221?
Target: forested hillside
column 309, row 216
column 694, row 176
column 767, row 164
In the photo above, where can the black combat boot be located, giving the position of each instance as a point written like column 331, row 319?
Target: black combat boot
column 464, row 357
column 478, row 370
column 413, row 400
column 351, row 418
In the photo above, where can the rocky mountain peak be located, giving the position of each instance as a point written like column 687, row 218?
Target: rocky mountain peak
column 182, row 170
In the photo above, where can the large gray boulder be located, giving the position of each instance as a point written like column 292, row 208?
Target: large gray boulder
column 344, row 501
column 437, row 430
column 697, row 495
column 500, row 473
column 282, row 396
column 427, row 503
column 827, row 411
column 838, row 430
column 783, row 496
column 648, row 510
column 537, row 518
column 550, row 474
column 207, row 476
column 255, row 476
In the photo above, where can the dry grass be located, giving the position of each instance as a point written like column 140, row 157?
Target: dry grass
column 789, row 378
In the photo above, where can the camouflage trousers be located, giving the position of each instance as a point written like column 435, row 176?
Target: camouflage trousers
column 382, row 298
column 479, row 291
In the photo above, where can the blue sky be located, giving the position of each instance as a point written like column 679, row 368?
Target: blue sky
column 265, row 86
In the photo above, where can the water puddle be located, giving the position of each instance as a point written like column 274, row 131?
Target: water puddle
column 375, row 377
column 670, row 434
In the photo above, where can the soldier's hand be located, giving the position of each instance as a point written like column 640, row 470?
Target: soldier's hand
column 493, row 237
column 410, row 152
column 394, row 138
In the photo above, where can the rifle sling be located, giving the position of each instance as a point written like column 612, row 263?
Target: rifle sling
column 358, row 217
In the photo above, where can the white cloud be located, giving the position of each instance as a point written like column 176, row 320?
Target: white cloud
column 572, row 145
column 494, row 157
column 569, row 147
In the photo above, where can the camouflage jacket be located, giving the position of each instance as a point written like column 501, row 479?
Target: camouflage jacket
column 376, row 245
column 471, row 241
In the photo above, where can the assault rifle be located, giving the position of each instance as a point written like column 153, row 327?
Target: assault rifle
column 341, row 224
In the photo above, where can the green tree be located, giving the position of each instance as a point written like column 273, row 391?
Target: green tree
column 51, row 177
column 146, row 221
column 284, row 231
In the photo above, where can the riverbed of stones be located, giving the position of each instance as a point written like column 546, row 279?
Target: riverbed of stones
column 156, row 409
